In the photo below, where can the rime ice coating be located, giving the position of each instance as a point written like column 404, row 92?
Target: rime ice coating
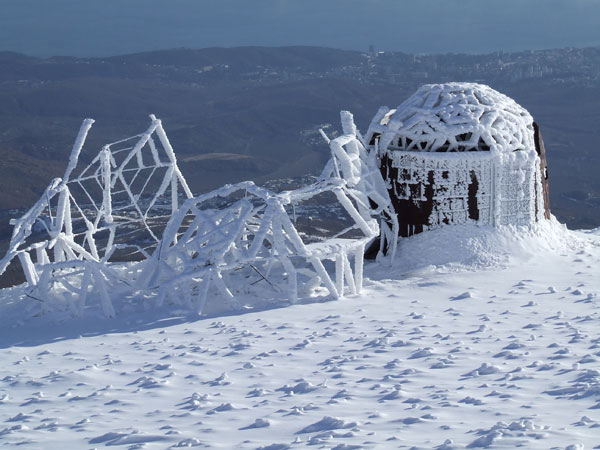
column 455, row 117
column 459, row 153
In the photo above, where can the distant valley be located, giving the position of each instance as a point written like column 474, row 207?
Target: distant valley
column 253, row 113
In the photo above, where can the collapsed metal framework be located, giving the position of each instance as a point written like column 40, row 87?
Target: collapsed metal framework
column 127, row 227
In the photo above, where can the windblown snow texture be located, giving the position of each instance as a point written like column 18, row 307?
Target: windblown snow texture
column 481, row 340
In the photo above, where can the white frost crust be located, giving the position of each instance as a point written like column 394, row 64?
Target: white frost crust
column 455, row 117
column 509, row 187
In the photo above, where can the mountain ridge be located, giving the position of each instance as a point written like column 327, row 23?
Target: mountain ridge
column 262, row 102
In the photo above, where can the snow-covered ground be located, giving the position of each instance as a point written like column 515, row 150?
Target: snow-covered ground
column 474, row 338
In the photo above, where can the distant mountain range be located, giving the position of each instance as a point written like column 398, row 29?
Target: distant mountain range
column 253, row 112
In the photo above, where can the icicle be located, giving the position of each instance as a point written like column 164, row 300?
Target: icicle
column 349, row 277
column 339, row 274
column 106, row 193
column 29, row 269
column 358, row 267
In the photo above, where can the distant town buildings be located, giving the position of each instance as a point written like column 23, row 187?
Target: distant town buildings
column 396, row 68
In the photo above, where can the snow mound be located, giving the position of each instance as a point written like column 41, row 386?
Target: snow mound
column 327, row 423
column 469, row 247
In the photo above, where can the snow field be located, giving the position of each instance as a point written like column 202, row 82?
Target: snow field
column 492, row 343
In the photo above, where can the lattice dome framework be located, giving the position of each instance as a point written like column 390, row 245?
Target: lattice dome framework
column 455, row 117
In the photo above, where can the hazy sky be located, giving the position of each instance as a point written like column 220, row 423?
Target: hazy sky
column 109, row 27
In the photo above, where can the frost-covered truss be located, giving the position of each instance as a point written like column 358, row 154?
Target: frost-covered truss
column 454, row 117
column 351, row 161
column 117, row 230
column 205, row 249
column 111, row 209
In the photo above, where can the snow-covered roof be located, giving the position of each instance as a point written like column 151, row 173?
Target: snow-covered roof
column 454, row 117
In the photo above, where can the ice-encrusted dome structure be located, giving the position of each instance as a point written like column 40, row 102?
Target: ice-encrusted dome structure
column 460, row 153
column 455, row 117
